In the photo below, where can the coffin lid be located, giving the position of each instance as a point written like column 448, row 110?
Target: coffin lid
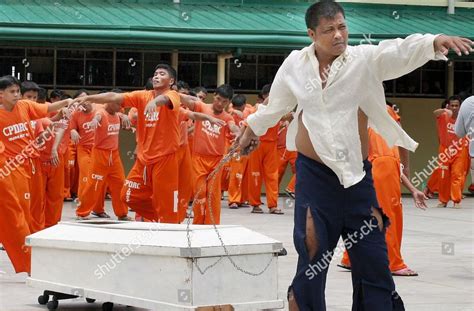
column 153, row 239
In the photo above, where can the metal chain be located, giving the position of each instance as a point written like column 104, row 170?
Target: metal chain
column 212, row 177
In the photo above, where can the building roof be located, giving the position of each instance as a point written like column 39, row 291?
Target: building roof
column 224, row 25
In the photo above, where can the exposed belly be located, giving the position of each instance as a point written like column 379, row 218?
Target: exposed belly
column 305, row 147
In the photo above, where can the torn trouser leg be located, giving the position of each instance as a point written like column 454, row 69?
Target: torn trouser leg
column 336, row 211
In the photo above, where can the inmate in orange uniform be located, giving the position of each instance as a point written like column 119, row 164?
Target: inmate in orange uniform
column 36, row 184
column 452, row 171
column 106, row 168
column 80, row 122
column 151, row 187
column 264, row 166
column 386, row 174
column 17, row 136
column 209, row 147
column 185, row 166
column 286, row 157
column 13, row 225
column 238, row 179
column 53, row 173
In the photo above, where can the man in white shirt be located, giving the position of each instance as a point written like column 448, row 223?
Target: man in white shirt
column 465, row 126
column 338, row 92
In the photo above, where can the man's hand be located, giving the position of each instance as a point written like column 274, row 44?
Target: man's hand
column 126, row 123
column 93, row 124
column 75, row 137
column 419, row 198
column 54, row 157
column 216, row 121
column 150, row 107
column 248, row 141
column 459, row 45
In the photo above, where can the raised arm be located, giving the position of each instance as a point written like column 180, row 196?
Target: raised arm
column 391, row 59
column 440, row 111
column 59, row 104
column 109, row 97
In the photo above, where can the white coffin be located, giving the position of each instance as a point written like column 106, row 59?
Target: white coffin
column 150, row 265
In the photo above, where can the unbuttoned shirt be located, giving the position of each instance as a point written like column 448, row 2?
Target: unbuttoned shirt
column 331, row 114
column 465, row 122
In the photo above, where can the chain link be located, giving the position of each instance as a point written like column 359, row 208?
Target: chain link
column 212, row 177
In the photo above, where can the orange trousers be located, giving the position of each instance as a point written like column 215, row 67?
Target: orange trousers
column 67, row 174
column 238, row 180
column 386, row 175
column 433, row 181
column 84, row 163
column 263, row 164
column 20, row 178
column 203, row 166
column 185, row 180
column 151, row 190
column 13, row 225
column 73, row 169
column 453, row 176
column 37, row 195
column 106, row 170
column 53, row 188
column 225, row 175
column 287, row 157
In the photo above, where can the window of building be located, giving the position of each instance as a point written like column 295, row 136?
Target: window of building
column 12, row 62
column 243, row 72
column 464, row 77
column 99, row 68
column 70, row 67
column 40, row 66
column 267, row 68
column 189, row 68
column 129, row 69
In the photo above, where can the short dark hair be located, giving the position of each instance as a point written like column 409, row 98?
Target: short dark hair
column 27, row 86
column 65, row 96
column 7, row 81
column 117, row 90
column 322, row 9
column 42, row 95
column 239, row 100
column 225, row 90
column 265, row 90
column 444, row 104
column 56, row 94
column 200, row 89
column 455, row 97
column 168, row 68
column 79, row 92
column 149, row 84
column 182, row 85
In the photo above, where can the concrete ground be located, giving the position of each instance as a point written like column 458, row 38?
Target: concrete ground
column 437, row 243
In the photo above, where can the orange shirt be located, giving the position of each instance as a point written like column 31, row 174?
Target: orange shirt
column 15, row 127
column 271, row 134
column 446, row 133
column 183, row 126
column 377, row 145
column 80, row 122
column 37, row 128
column 46, row 150
column 158, row 133
column 282, row 129
column 107, row 134
column 239, row 121
column 210, row 140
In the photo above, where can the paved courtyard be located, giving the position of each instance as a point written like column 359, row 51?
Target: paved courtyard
column 437, row 243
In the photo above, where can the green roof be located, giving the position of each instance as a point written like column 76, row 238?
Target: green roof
column 222, row 25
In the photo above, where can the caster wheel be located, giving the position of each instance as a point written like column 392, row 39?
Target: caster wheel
column 52, row 305
column 107, row 306
column 90, row 300
column 43, row 299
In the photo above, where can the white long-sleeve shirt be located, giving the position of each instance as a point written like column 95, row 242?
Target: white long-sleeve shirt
column 465, row 122
column 331, row 114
